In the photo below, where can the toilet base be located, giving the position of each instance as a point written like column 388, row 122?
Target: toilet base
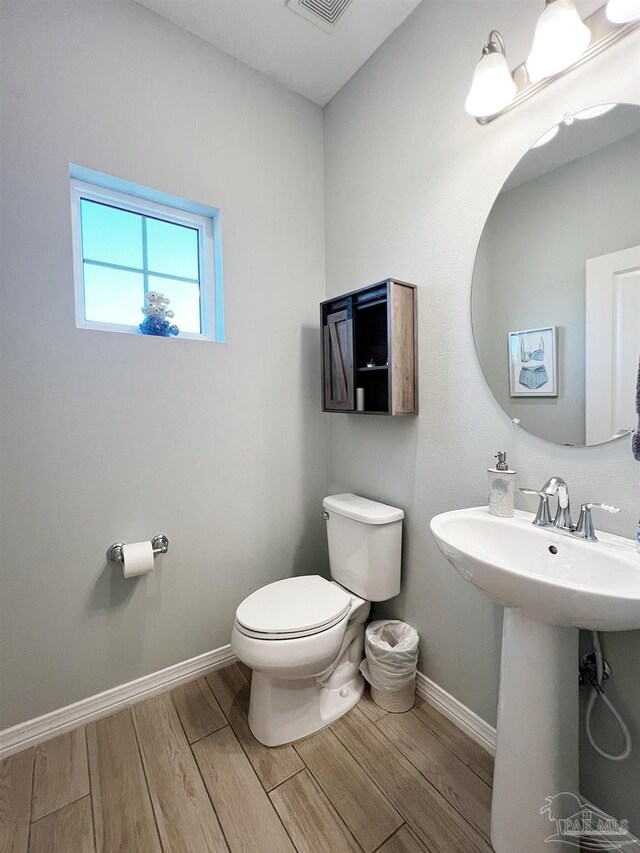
column 285, row 710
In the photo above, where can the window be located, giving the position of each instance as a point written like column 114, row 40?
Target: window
column 126, row 245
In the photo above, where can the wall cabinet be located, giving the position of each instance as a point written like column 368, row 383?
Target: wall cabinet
column 369, row 342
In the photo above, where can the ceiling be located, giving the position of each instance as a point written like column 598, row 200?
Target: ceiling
column 270, row 37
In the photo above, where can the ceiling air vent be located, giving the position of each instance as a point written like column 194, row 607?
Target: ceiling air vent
column 323, row 13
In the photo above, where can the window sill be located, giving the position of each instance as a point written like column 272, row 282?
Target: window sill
column 134, row 330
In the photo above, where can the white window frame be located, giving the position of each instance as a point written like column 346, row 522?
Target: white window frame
column 208, row 253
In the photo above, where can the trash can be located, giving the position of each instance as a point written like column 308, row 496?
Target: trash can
column 391, row 649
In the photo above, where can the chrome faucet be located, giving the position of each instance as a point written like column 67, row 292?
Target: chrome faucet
column 557, row 487
column 543, row 516
column 584, row 528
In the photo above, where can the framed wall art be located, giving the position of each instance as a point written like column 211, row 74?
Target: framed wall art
column 533, row 362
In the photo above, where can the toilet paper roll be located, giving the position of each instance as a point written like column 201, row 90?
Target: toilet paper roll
column 138, row 559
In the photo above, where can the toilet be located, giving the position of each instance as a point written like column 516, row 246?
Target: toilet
column 303, row 637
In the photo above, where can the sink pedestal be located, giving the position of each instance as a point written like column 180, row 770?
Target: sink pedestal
column 537, row 742
column 545, row 579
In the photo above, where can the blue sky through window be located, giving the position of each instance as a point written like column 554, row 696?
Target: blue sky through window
column 125, row 254
column 172, row 249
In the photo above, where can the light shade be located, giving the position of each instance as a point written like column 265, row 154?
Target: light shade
column 560, row 40
column 623, row 11
column 492, row 88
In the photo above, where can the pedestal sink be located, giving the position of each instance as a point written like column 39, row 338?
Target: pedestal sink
column 551, row 584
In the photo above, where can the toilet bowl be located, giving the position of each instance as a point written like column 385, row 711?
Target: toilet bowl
column 306, row 674
column 303, row 637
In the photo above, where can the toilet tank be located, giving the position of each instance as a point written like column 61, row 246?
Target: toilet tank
column 365, row 543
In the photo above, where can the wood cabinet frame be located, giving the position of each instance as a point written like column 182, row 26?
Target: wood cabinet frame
column 380, row 318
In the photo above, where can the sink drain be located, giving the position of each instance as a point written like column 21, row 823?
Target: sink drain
column 553, row 549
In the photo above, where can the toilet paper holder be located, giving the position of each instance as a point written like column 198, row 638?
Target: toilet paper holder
column 159, row 544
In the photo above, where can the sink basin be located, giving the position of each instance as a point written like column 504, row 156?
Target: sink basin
column 550, row 584
column 550, row 576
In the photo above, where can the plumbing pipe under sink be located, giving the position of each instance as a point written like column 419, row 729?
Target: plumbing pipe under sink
column 597, row 692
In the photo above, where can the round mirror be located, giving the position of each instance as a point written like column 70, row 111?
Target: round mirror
column 555, row 301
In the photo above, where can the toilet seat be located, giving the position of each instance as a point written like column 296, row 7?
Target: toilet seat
column 294, row 607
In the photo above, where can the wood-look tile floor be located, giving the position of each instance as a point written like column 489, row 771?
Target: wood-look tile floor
column 181, row 773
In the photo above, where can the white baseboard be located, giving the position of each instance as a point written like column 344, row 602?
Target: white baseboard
column 463, row 717
column 93, row 708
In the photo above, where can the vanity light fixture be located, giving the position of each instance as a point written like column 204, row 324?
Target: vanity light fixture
column 493, row 87
column 623, row 11
column 562, row 42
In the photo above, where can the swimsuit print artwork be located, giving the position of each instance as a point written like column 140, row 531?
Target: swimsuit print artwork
column 532, row 363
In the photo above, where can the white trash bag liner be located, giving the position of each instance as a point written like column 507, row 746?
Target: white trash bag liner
column 390, row 665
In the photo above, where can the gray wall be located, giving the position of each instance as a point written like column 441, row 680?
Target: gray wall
column 410, row 180
column 110, row 437
column 532, row 273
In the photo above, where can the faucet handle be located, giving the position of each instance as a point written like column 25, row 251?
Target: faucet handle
column 605, row 507
column 543, row 516
column 584, row 527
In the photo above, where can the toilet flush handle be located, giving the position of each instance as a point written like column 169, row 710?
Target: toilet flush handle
column 325, row 515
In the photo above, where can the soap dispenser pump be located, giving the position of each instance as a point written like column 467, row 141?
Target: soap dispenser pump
column 502, row 487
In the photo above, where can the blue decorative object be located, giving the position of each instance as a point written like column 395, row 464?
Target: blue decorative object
column 157, row 319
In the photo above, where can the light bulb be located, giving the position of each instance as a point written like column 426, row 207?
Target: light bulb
column 547, row 137
column 492, row 87
column 594, row 112
column 560, row 40
column 623, row 11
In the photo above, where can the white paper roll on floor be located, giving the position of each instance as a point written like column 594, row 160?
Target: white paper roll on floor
column 138, row 559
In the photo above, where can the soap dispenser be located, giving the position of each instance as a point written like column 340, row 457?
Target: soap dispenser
column 502, row 487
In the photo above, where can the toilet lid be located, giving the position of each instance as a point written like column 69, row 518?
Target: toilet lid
column 294, row 607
